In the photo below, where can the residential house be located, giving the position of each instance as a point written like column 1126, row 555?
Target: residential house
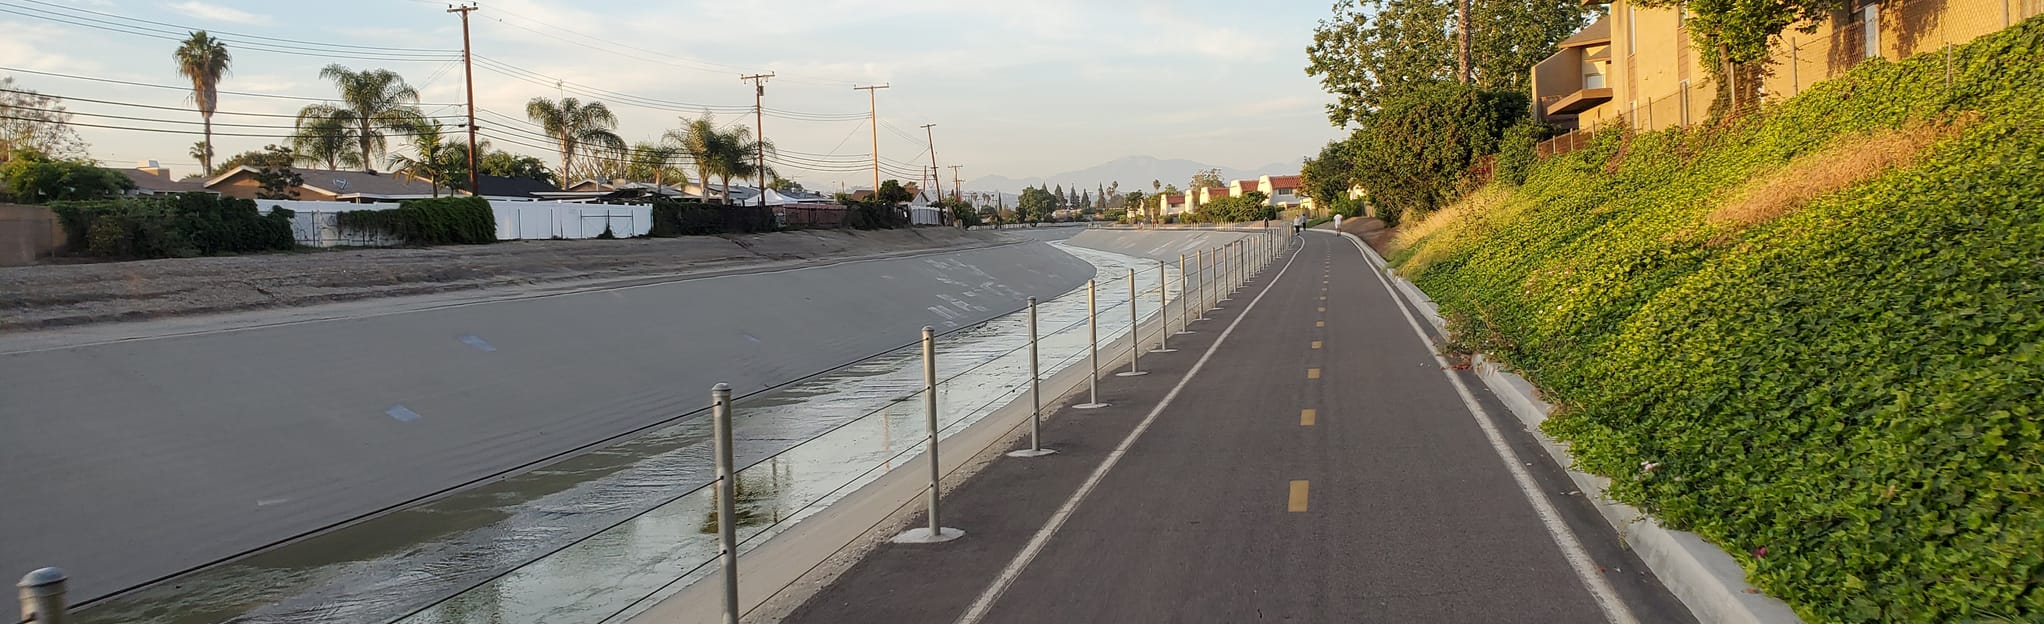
column 332, row 185
column 1194, row 198
column 1170, row 203
column 1282, row 190
column 153, row 179
column 1242, row 188
column 614, row 191
column 1639, row 66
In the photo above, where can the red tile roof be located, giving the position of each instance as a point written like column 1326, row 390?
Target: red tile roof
column 1174, row 198
column 1250, row 185
column 1284, row 182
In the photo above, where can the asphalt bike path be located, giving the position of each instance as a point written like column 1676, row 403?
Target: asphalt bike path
column 1318, row 465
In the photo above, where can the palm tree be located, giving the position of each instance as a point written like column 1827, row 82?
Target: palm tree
column 703, row 143
column 204, row 152
column 1156, row 185
column 575, row 127
column 324, row 139
column 373, row 101
column 735, row 159
column 204, row 60
column 658, row 163
column 432, row 155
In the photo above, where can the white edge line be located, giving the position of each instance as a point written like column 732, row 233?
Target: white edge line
column 1579, row 559
column 1057, row 520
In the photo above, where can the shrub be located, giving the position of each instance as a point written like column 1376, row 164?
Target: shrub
column 1517, row 150
column 690, row 218
column 441, row 221
column 1412, row 155
column 190, row 224
column 1846, row 389
column 33, row 178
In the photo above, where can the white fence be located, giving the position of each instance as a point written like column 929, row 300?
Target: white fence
column 316, row 223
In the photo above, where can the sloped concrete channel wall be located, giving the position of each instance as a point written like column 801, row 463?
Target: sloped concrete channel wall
column 126, row 461
column 1157, row 244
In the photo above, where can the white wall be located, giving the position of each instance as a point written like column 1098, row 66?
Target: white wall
column 316, row 224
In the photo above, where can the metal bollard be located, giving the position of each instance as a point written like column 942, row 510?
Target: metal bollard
column 727, row 496
column 1199, row 284
column 1163, row 310
column 936, row 531
column 1035, row 396
column 1135, row 344
column 1093, row 344
column 42, row 596
column 1226, row 272
column 1184, row 300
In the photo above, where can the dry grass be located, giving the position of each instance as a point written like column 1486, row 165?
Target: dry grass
column 1847, row 161
column 1466, row 214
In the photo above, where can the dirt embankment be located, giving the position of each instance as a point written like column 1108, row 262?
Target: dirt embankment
column 1372, row 231
column 73, row 294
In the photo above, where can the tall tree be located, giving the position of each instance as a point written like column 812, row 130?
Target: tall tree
column 35, row 122
column 576, row 128
column 1207, row 178
column 1370, row 52
column 735, row 158
column 326, row 140
column 373, row 102
column 657, row 163
column 205, row 61
column 430, row 156
column 702, row 141
column 508, row 165
column 1157, row 185
column 203, row 151
column 1462, row 41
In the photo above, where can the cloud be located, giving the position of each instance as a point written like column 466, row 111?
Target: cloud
column 217, row 13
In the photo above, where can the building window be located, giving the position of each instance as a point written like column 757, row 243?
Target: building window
column 1593, row 81
column 1870, row 23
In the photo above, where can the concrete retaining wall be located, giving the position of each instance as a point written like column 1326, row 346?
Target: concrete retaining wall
column 143, row 457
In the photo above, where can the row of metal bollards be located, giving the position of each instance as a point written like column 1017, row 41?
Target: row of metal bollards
column 1220, row 271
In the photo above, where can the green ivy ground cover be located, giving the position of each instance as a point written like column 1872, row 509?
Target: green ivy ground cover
column 1846, row 397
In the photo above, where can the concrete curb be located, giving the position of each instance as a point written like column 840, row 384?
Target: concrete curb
column 1704, row 577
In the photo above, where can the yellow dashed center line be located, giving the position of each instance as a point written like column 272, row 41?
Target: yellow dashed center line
column 1316, row 344
column 1323, row 308
column 1297, row 502
column 1312, row 373
column 1306, row 417
column 1319, row 323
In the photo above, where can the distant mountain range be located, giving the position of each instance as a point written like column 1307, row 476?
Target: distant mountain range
column 1134, row 173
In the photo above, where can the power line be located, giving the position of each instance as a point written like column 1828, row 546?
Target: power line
column 544, row 80
column 187, row 131
column 142, row 31
column 175, row 121
column 180, row 87
column 223, row 32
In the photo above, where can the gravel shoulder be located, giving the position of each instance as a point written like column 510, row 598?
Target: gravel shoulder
column 60, row 295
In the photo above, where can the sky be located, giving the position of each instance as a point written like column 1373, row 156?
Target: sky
column 1018, row 88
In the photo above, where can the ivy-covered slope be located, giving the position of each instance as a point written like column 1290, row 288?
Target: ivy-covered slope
column 1844, row 391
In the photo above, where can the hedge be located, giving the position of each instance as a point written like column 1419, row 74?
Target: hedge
column 185, row 225
column 1849, row 396
column 441, row 221
column 679, row 218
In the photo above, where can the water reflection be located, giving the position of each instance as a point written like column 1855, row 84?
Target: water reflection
column 593, row 536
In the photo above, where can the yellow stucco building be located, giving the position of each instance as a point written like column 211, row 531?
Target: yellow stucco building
column 1637, row 65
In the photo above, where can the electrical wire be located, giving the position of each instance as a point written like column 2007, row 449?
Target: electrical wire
column 186, row 88
column 189, row 28
column 141, row 31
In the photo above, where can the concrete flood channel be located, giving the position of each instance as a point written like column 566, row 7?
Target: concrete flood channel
column 604, row 534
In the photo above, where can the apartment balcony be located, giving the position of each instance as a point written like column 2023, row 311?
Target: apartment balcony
column 1579, row 101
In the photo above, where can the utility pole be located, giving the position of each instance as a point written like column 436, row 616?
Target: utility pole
column 468, row 71
column 957, row 187
column 932, row 134
column 873, row 121
column 759, row 121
